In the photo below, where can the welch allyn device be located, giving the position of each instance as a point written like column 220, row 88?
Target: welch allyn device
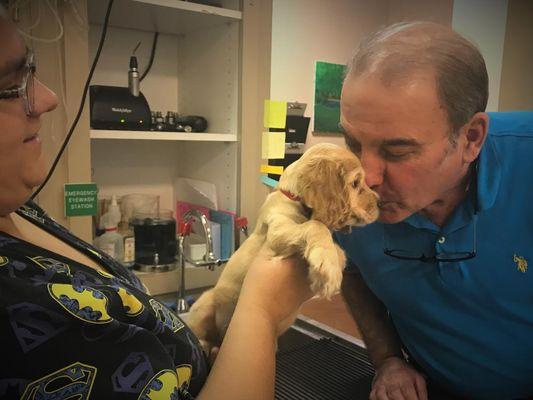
column 120, row 108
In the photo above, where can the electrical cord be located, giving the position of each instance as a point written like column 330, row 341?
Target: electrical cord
column 152, row 56
column 83, row 97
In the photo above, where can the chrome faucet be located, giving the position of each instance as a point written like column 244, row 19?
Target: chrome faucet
column 209, row 260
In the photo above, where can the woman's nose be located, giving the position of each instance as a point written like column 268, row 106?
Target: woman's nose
column 45, row 99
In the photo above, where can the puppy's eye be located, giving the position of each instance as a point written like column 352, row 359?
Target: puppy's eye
column 356, row 183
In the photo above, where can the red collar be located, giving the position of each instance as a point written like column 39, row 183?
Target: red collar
column 290, row 195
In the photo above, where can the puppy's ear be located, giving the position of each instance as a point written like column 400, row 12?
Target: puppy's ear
column 324, row 191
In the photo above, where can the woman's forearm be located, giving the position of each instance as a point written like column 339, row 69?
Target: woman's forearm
column 245, row 365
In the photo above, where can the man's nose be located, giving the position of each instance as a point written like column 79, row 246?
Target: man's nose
column 45, row 99
column 374, row 169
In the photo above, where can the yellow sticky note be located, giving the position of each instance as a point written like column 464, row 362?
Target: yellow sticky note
column 271, row 169
column 273, row 145
column 275, row 114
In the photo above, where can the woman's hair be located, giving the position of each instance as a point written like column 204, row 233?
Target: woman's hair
column 399, row 51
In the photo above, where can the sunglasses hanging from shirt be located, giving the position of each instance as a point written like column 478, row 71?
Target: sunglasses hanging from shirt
column 442, row 255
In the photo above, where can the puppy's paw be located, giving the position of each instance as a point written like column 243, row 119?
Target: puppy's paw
column 325, row 271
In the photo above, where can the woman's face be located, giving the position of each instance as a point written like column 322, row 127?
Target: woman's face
column 22, row 165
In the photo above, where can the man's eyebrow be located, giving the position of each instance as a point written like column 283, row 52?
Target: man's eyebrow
column 13, row 65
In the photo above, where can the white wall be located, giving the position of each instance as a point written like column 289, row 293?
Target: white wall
column 483, row 22
column 305, row 31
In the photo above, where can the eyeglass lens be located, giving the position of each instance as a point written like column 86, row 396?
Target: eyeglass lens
column 30, row 91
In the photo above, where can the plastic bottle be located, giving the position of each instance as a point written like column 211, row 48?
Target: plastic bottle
column 114, row 211
column 111, row 242
column 128, row 236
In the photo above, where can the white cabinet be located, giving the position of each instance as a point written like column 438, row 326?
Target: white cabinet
column 195, row 72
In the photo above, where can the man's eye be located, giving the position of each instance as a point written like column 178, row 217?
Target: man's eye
column 395, row 155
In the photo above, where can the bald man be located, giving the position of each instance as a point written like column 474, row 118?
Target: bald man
column 439, row 286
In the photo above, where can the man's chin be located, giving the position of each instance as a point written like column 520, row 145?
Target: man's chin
column 389, row 215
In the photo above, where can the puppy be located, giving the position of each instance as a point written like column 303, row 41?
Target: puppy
column 323, row 191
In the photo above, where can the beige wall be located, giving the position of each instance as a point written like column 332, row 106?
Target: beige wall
column 439, row 11
column 516, row 90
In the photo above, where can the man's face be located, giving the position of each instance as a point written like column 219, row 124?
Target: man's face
column 22, row 165
column 401, row 135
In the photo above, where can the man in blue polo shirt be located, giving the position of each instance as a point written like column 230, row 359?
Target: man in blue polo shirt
column 443, row 275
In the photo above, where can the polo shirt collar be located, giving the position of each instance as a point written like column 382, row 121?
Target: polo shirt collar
column 488, row 183
column 489, row 175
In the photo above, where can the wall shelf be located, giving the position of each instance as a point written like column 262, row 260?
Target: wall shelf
column 153, row 135
column 165, row 16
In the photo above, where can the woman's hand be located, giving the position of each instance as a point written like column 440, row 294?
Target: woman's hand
column 276, row 288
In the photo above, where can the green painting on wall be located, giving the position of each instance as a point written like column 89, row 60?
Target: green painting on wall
column 328, row 86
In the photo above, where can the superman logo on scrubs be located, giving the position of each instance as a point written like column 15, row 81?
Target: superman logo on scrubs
column 72, row 382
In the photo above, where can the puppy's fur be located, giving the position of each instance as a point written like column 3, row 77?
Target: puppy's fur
column 331, row 194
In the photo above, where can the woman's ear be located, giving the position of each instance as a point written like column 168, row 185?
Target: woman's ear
column 325, row 193
column 475, row 132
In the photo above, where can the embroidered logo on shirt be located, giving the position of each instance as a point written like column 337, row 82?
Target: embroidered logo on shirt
column 521, row 263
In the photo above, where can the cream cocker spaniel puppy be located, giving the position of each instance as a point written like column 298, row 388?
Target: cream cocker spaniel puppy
column 323, row 191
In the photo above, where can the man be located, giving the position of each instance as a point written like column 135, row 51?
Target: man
column 442, row 276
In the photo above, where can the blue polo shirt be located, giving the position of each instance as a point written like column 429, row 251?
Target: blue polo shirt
column 468, row 324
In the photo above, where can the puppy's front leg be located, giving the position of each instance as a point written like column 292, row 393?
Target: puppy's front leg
column 313, row 240
column 326, row 259
column 284, row 236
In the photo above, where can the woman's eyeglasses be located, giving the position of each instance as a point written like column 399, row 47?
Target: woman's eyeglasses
column 26, row 90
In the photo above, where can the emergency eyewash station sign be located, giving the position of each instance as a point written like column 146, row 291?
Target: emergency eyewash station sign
column 80, row 199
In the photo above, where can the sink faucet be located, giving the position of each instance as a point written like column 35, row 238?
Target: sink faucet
column 209, row 260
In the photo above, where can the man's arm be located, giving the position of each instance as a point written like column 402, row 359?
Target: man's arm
column 371, row 317
column 394, row 379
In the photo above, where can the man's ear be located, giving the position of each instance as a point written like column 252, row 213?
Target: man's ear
column 475, row 132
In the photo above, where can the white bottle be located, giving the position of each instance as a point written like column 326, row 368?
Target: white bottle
column 114, row 211
column 111, row 242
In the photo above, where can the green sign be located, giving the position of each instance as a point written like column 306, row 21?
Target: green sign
column 80, row 199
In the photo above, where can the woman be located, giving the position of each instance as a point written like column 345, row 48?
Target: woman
column 74, row 322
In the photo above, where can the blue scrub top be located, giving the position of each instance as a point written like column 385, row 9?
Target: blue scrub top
column 469, row 324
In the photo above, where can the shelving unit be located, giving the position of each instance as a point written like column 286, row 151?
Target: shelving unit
column 174, row 17
column 195, row 72
column 170, row 136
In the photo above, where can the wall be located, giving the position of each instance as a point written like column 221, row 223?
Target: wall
column 483, row 21
column 516, row 90
column 439, row 11
column 305, row 31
